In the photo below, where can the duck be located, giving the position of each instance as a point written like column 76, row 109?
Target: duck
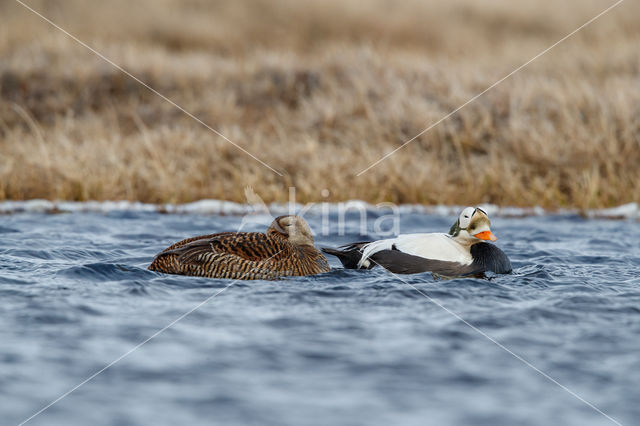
column 285, row 249
column 464, row 251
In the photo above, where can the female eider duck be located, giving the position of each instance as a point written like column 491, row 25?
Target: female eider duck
column 286, row 249
column 462, row 252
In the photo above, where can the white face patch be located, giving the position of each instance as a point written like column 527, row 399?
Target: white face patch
column 465, row 217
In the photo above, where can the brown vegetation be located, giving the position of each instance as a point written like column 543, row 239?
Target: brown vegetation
column 319, row 90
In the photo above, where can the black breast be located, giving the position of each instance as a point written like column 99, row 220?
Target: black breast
column 490, row 258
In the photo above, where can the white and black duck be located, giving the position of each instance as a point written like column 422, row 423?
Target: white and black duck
column 464, row 251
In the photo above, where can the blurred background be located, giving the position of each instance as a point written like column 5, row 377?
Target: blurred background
column 319, row 90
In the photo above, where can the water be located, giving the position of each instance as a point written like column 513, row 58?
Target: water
column 343, row 348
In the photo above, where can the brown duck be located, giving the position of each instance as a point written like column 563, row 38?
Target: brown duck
column 286, row 249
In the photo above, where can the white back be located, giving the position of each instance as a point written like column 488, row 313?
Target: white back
column 430, row 246
column 434, row 246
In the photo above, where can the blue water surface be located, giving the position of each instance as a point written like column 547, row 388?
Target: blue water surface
column 342, row 348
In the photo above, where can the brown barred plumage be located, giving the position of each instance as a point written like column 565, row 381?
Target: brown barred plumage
column 286, row 249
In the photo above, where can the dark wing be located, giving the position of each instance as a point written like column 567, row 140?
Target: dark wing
column 490, row 258
column 349, row 255
column 403, row 263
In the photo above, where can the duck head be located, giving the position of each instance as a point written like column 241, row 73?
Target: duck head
column 472, row 226
column 293, row 228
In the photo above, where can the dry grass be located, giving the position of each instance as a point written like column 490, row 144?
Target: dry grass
column 319, row 90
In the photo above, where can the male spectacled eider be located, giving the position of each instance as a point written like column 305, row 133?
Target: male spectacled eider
column 462, row 252
column 286, row 249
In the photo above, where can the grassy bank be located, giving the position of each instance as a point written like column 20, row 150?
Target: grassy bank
column 319, row 90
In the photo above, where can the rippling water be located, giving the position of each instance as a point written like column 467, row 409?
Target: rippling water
column 346, row 347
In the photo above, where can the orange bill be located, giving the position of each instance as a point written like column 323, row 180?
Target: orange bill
column 486, row 235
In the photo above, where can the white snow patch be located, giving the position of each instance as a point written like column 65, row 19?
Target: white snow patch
column 221, row 207
column 625, row 211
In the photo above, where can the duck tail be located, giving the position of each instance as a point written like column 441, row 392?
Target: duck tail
column 349, row 255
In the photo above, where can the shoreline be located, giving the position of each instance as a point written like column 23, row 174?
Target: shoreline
column 629, row 211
